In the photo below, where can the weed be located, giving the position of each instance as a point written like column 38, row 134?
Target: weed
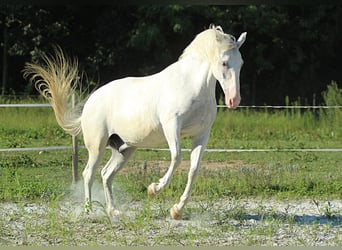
column 325, row 210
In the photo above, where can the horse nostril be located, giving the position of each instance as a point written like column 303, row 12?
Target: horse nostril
column 231, row 102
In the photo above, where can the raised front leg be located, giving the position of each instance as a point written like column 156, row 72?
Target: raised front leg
column 198, row 148
column 172, row 134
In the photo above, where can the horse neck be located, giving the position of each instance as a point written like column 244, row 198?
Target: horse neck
column 198, row 72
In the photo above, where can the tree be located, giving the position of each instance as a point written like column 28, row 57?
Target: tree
column 27, row 32
column 290, row 50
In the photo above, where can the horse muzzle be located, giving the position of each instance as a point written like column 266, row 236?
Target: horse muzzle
column 233, row 102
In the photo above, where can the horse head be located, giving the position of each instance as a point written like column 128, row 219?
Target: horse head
column 227, row 65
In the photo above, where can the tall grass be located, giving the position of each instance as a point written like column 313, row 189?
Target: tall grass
column 333, row 97
column 288, row 128
column 283, row 174
column 28, row 127
column 274, row 129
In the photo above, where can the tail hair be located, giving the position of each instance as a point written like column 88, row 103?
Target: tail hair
column 56, row 80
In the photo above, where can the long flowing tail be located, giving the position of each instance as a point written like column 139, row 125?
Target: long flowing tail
column 56, row 81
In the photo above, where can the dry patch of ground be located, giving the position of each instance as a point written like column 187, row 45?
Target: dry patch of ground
column 223, row 222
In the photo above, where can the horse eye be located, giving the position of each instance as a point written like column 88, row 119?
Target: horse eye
column 225, row 64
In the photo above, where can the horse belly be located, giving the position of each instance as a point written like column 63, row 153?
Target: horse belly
column 139, row 132
column 153, row 139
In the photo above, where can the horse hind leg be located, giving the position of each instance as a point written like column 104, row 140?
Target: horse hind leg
column 94, row 157
column 115, row 163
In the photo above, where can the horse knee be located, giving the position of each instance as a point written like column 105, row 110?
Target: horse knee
column 107, row 178
column 176, row 160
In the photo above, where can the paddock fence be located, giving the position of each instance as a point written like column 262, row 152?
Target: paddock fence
column 213, row 150
column 313, row 107
column 32, row 105
column 75, row 147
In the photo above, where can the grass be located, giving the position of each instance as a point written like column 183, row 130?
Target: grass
column 30, row 175
column 45, row 178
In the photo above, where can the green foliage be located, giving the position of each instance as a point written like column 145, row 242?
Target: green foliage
column 290, row 50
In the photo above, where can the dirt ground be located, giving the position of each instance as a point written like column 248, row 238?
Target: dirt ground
column 265, row 222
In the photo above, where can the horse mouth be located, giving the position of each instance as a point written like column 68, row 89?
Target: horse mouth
column 233, row 102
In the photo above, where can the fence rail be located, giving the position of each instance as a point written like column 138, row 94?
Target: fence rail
column 32, row 105
column 27, row 105
column 286, row 107
column 75, row 148
column 217, row 150
column 185, row 150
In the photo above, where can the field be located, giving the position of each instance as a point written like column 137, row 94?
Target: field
column 239, row 198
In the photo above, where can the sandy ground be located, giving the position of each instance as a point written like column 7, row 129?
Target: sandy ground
column 225, row 222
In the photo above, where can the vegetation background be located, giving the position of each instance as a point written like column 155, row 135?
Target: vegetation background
column 291, row 50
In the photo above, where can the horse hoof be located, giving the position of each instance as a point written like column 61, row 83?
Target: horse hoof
column 114, row 212
column 152, row 190
column 175, row 214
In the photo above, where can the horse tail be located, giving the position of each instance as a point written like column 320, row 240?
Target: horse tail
column 56, row 81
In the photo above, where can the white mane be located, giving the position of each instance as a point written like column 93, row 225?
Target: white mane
column 208, row 43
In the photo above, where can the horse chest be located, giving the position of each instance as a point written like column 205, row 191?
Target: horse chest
column 198, row 118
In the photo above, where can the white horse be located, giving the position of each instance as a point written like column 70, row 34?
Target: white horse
column 135, row 112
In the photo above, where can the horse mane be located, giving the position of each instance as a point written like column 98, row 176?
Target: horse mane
column 208, row 43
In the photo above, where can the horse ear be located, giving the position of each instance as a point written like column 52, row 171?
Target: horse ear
column 241, row 39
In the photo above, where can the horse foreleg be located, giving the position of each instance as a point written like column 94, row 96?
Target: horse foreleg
column 198, row 147
column 172, row 135
column 155, row 188
column 115, row 163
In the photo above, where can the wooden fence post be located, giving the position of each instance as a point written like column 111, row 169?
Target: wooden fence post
column 314, row 110
column 74, row 151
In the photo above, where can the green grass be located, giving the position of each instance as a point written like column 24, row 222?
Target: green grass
column 275, row 129
column 35, row 175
